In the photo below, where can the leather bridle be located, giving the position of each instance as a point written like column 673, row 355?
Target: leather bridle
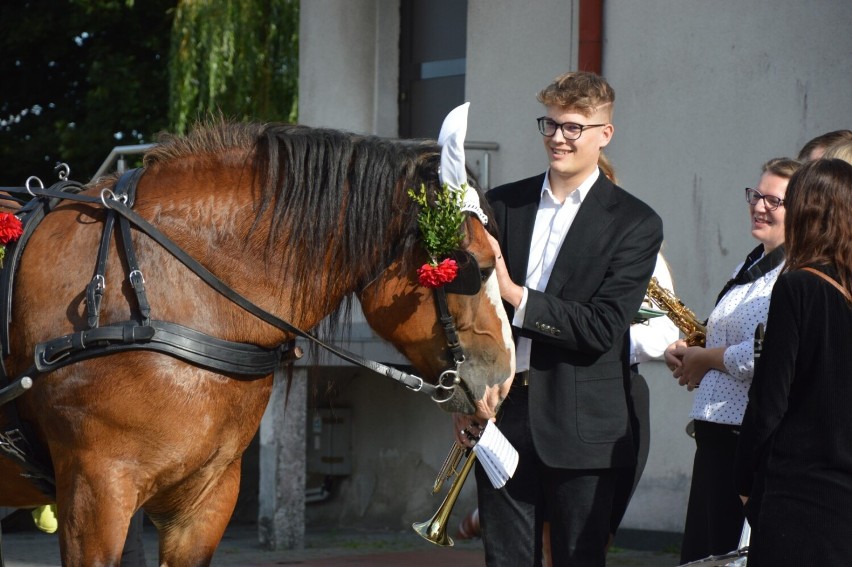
column 106, row 340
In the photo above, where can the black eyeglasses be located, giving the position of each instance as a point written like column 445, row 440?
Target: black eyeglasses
column 570, row 130
column 753, row 196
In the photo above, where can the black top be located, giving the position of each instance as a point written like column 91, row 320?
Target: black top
column 798, row 424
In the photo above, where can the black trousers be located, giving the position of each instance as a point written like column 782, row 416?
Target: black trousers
column 578, row 504
column 714, row 516
column 627, row 478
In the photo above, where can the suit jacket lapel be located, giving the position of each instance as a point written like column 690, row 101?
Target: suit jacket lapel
column 588, row 227
column 520, row 221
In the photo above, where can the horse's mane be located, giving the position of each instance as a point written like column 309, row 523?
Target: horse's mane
column 337, row 200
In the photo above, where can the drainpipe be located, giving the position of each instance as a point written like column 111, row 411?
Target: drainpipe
column 589, row 54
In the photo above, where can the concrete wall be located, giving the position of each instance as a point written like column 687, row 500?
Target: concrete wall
column 706, row 92
column 349, row 65
column 513, row 50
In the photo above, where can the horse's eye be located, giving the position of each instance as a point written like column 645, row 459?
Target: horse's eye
column 485, row 273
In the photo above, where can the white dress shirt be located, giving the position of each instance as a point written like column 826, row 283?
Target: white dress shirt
column 552, row 222
column 649, row 340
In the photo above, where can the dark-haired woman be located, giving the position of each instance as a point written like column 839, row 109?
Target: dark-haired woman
column 797, row 430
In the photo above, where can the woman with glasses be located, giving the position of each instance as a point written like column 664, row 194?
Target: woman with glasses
column 797, row 430
column 720, row 372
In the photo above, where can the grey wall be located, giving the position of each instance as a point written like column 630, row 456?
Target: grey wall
column 349, row 65
column 513, row 50
column 707, row 92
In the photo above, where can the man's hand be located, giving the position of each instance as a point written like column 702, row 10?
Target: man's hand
column 509, row 290
column 468, row 428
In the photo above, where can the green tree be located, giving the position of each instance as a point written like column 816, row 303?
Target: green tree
column 79, row 77
column 235, row 57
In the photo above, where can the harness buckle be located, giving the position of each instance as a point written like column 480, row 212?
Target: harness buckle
column 136, row 278
column 419, row 386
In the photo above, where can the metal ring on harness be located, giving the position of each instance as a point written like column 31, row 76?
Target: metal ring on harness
column 27, row 184
column 106, row 192
column 64, row 170
column 453, row 375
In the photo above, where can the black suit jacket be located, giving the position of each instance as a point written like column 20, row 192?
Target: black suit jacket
column 579, row 325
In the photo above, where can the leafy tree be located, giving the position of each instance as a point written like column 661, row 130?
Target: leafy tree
column 235, row 57
column 79, row 77
column 83, row 76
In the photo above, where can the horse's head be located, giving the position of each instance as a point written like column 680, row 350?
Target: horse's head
column 455, row 327
column 406, row 313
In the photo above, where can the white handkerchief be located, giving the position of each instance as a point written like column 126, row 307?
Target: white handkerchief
column 498, row 457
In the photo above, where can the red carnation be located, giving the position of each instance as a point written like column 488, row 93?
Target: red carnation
column 10, row 228
column 436, row 276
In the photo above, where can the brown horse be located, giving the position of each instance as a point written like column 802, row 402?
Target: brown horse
column 294, row 219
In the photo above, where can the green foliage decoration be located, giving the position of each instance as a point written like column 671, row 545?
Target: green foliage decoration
column 440, row 222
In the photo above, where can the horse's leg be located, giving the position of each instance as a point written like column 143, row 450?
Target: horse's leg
column 95, row 501
column 191, row 538
column 92, row 533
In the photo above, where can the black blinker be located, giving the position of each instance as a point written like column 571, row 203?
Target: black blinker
column 468, row 280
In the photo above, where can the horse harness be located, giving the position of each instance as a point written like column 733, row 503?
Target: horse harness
column 145, row 333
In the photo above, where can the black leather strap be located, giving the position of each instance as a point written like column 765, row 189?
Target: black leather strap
column 753, row 268
column 137, row 280
column 97, row 287
column 449, row 325
column 160, row 336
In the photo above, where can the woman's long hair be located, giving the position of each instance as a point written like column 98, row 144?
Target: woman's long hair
column 818, row 221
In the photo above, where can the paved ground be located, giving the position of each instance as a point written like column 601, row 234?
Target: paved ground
column 323, row 549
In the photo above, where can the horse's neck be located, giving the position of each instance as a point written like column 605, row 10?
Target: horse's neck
column 213, row 219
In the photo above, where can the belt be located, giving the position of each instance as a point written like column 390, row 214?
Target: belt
column 522, row 379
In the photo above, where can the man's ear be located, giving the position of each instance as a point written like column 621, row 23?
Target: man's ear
column 606, row 133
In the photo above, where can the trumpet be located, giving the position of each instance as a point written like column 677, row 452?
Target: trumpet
column 434, row 529
column 683, row 318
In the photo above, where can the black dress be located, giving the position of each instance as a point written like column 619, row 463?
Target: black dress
column 797, row 429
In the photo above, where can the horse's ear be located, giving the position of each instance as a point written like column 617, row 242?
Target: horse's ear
column 453, row 172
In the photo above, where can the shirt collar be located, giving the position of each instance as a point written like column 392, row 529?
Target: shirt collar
column 577, row 195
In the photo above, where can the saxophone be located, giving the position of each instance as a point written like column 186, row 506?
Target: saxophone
column 683, row 318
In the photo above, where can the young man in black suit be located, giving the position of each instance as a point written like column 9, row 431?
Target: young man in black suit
column 574, row 258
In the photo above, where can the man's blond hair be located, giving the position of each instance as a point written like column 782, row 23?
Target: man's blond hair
column 581, row 91
column 842, row 151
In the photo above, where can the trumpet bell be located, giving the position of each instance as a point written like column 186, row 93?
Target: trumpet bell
column 434, row 530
